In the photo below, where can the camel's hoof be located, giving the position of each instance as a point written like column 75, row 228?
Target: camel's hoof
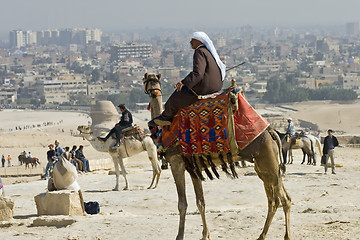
column 125, row 188
column 115, row 189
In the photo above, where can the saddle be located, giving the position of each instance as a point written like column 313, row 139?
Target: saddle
column 132, row 131
column 226, row 123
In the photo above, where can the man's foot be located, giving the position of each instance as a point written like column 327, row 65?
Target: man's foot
column 333, row 172
column 161, row 121
column 152, row 123
column 102, row 139
column 115, row 146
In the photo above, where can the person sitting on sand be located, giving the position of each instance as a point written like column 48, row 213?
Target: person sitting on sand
column 80, row 155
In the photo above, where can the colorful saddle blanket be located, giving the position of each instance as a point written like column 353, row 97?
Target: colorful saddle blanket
column 202, row 126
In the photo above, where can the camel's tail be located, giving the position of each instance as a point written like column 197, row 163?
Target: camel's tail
column 276, row 137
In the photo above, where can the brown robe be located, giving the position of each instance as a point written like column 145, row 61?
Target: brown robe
column 204, row 79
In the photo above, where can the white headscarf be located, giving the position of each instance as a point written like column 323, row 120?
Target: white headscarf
column 204, row 38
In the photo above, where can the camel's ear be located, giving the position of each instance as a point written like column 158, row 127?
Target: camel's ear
column 159, row 76
column 145, row 75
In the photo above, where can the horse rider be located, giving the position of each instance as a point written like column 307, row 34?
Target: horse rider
column 126, row 121
column 206, row 77
column 290, row 130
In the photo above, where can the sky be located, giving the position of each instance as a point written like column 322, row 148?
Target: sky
column 118, row 15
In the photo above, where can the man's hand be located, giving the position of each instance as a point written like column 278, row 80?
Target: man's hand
column 178, row 86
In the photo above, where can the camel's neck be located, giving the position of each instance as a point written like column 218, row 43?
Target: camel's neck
column 155, row 106
column 96, row 143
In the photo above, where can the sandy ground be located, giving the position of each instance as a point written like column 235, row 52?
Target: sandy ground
column 323, row 206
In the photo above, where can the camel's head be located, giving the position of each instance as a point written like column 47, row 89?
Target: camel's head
column 84, row 129
column 152, row 84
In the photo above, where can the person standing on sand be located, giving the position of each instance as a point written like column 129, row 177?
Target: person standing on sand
column 51, row 158
column 330, row 142
column 58, row 149
column 3, row 160
column 9, row 161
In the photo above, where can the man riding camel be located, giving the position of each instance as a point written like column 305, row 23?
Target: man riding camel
column 125, row 122
column 206, row 77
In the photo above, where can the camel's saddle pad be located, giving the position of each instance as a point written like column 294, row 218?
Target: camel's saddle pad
column 132, row 131
column 203, row 126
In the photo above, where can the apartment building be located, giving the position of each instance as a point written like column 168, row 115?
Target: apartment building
column 8, row 95
column 59, row 89
column 20, row 38
column 351, row 81
column 131, row 50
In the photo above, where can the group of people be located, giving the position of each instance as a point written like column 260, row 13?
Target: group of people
column 75, row 156
column 330, row 142
column 3, row 160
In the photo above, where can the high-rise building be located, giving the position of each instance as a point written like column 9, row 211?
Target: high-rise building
column 352, row 28
column 20, row 38
column 130, row 50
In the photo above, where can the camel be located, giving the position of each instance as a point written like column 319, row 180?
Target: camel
column 129, row 146
column 155, row 107
column 264, row 152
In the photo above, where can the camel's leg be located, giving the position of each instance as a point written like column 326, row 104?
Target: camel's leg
column 286, row 203
column 272, row 193
column 178, row 172
column 267, row 168
column 123, row 172
column 117, row 173
column 152, row 154
column 200, row 202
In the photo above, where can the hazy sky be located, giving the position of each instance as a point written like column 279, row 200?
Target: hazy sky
column 114, row 15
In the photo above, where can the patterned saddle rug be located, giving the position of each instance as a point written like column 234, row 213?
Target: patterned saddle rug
column 203, row 126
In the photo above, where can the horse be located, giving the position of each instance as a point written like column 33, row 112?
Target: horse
column 27, row 161
column 298, row 141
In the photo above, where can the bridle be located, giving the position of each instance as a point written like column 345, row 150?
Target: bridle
column 87, row 133
column 150, row 91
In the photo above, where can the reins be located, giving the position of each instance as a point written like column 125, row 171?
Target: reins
column 150, row 91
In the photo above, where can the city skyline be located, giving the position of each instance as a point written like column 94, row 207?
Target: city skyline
column 114, row 15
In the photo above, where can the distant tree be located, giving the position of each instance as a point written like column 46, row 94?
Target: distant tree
column 80, row 99
column 95, row 75
column 75, row 66
column 117, row 99
column 273, row 91
column 137, row 96
column 87, row 69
